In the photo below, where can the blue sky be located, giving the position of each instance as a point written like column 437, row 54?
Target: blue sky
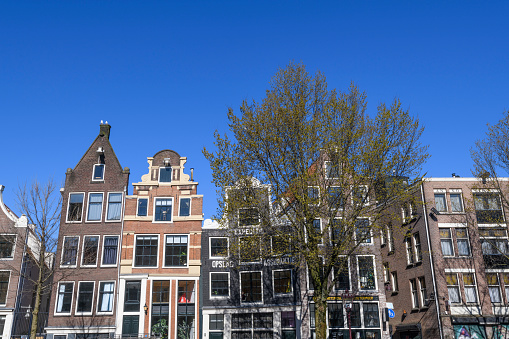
column 163, row 73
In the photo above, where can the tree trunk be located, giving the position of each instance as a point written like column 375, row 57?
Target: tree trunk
column 321, row 318
column 38, row 295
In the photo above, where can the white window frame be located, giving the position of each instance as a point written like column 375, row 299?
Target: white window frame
column 83, row 250
column 467, row 238
column 325, row 165
column 249, row 208
column 56, row 313
column 460, row 193
column 387, row 272
column 134, row 251
column 390, row 239
column 414, row 293
column 154, row 210
column 227, row 248
column 394, row 282
column 102, row 207
column 328, row 197
column 364, row 243
column 440, row 192
column 13, row 251
column 190, row 206
column 321, row 231
column 78, row 298
column 454, row 286
column 291, row 282
column 108, row 207
column 409, row 249
column 137, row 205
column 374, row 272
column 82, row 208
column 99, row 294
column 417, row 247
column 159, row 175
column 63, row 251
column 451, row 238
column 260, row 250
column 476, row 302
column 349, row 272
column 93, row 172
column 8, row 288
column 421, row 290
column 164, row 250
column 102, row 249
column 354, row 188
column 317, row 198
column 210, row 286
column 240, row 287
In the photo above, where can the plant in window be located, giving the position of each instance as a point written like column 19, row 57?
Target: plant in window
column 160, row 329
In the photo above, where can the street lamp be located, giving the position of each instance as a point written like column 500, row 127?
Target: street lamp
column 348, row 299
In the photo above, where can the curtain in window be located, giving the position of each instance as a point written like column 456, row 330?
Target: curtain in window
column 110, row 250
column 114, row 206
column 463, row 248
column 61, row 294
column 495, row 295
column 446, row 247
column 470, row 295
column 454, row 295
column 107, row 297
column 95, row 207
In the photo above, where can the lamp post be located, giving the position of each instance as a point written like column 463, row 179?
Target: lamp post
column 348, row 299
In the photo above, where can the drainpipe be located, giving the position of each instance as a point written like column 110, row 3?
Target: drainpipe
column 119, row 256
column 21, row 281
column 431, row 263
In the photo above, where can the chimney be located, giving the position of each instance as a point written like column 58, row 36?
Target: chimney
column 104, row 129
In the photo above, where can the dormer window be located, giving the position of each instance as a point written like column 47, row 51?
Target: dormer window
column 98, row 172
column 165, row 174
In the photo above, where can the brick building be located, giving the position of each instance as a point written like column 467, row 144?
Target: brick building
column 160, row 262
column 446, row 266
column 83, row 301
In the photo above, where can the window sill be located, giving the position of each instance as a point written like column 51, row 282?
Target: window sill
column 414, row 310
column 394, row 292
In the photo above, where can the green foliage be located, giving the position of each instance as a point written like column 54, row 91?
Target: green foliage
column 161, row 328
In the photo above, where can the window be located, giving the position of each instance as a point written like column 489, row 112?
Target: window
column 185, row 207
column 417, row 247
column 335, row 197
column 414, row 293
column 488, row 209
column 355, row 315
column 371, row 317
column 132, row 296
column 282, row 281
column 332, row 170
column 338, row 230
column 470, row 289
column 288, row 325
column 70, row 251
column 114, row 206
column 98, row 174
column 106, row 295
column 142, row 207
column 146, row 251
column 130, row 325
column 423, row 293
column 453, row 288
column 95, row 206
column 506, row 284
column 456, row 203
column 409, row 251
column 110, row 249
column 218, row 247
column 360, row 196
column 363, row 232
column 251, row 286
column 342, row 274
column 74, row 211
column 163, row 208
column 387, row 273
column 317, row 227
column 494, row 287
column 366, row 273
column 160, row 303
column 394, row 281
column 90, row 247
column 64, row 297
column 216, row 322
column 7, row 246
column 165, row 174
column 390, row 239
column 186, row 309
column 446, row 242
column 313, row 195
column 4, row 286
column 336, row 315
column 176, row 250
column 219, row 284
column 249, row 216
column 250, row 249
column 462, row 241
column 440, row 203
column 85, row 297
column 494, row 241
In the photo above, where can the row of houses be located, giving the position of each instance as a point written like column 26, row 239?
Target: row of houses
column 142, row 262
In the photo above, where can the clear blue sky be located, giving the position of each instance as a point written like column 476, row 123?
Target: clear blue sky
column 163, row 73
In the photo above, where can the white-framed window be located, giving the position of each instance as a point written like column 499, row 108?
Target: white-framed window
column 176, row 250
column 366, row 272
column 456, row 202
column 423, row 291
column 494, row 288
column 249, row 216
column 453, row 288
column 314, row 195
column 446, row 242
column 98, row 173
column 282, row 281
column 417, row 247
column 7, row 246
column 360, row 196
column 317, row 227
column 110, row 250
column 70, row 251
column 146, row 250
column 335, row 197
column 163, row 209
column 64, row 297
column 387, row 272
column 95, row 206
column 251, row 287
column 106, row 297
column 114, row 209
column 165, row 174
column 90, row 250
column 488, row 208
column 332, row 170
column 342, row 274
column 440, row 202
column 218, row 247
column 4, row 286
column 85, row 300
column 363, row 231
column 394, row 281
column 494, row 241
column 390, row 239
column 505, row 278
column 470, row 287
column 250, row 249
column 462, row 242
column 75, row 207
column 219, row 284
column 414, row 293
column 410, row 257
column 142, row 207
column 185, row 207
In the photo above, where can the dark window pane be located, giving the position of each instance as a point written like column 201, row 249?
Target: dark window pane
column 98, row 172
column 75, row 207
column 110, row 250
column 251, row 286
column 218, row 247
column 163, row 210
column 185, row 207
column 132, row 296
column 85, row 294
column 219, row 284
column 165, row 174
column 142, row 207
column 6, row 246
column 146, row 251
column 4, row 285
column 90, row 247
column 176, row 250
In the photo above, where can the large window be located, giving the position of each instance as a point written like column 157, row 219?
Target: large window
column 371, row 315
column 494, row 288
column 160, row 304
column 440, row 202
column 446, row 242
column 251, row 286
column 488, row 209
column 165, row 174
column 219, row 284
column 85, row 297
column 470, row 288
column 90, row 248
column 132, row 296
column 410, row 257
column 163, row 209
column 218, row 247
column 249, row 325
column 75, row 209
column 366, row 273
column 414, row 293
column 64, row 297
column 216, row 324
column 70, row 251
column 142, row 207
column 110, row 249
column 453, row 288
column 363, row 232
column 336, row 315
column 423, row 292
column 7, row 246
column 106, row 295
column 462, row 241
column 335, row 197
column 282, row 281
column 186, row 326
column 249, row 216
column 446, row 239
column 456, row 202
column 146, row 251
column 176, row 250
column 342, row 274
column 95, row 206
column 332, row 170
column 288, row 325
column 250, row 249
column 185, row 207
column 4, row 286
column 114, row 206
column 494, row 241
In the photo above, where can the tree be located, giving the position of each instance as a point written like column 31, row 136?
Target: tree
column 41, row 203
column 322, row 158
